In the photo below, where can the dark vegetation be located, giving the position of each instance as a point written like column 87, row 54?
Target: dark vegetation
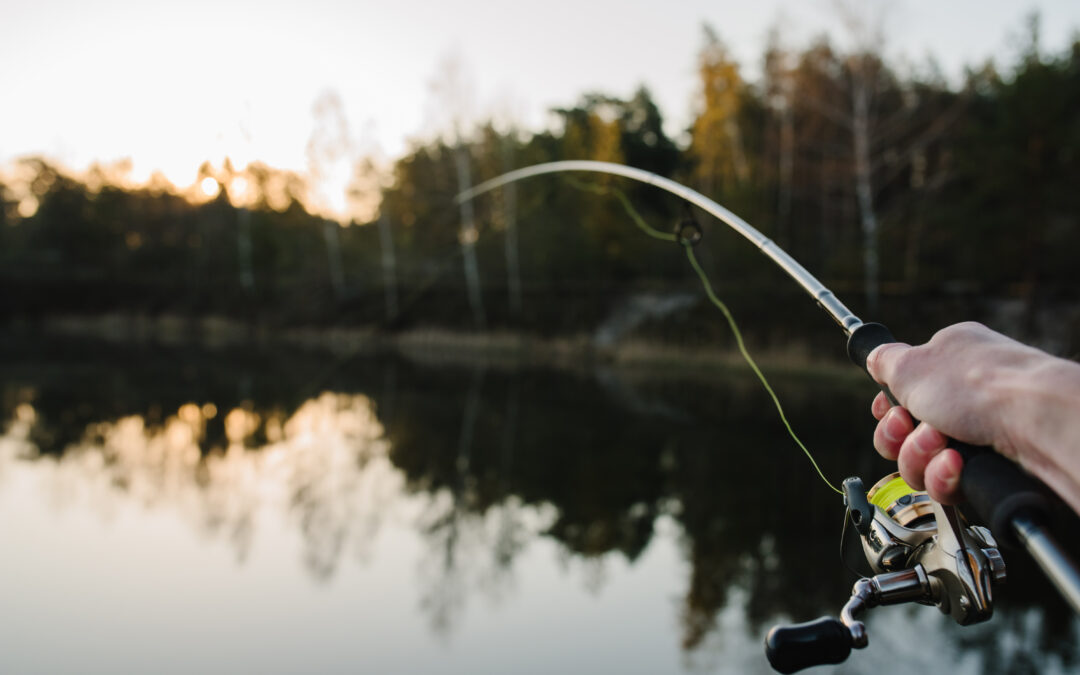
column 918, row 201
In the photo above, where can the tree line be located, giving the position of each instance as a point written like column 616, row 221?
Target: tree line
column 894, row 186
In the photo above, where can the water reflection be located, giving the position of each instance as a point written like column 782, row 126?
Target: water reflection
column 484, row 463
column 327, row 461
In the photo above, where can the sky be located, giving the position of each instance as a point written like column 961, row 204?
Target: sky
column 170, row 85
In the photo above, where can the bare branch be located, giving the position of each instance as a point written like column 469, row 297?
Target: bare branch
column 933, row 133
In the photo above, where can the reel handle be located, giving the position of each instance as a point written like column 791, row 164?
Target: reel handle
column 996, row 488
column 802, row 645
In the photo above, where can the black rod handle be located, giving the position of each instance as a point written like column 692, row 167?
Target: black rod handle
column 803, row 645
column 995, row 487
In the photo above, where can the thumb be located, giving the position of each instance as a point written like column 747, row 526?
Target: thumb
column 882, row 363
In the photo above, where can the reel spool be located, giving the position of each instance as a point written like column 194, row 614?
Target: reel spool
column 902, row 520
column 907, row 506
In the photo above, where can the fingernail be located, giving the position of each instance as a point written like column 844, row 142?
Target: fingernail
column 926, row 440
column 951, row 481
column 871, row 360
column 894, row 428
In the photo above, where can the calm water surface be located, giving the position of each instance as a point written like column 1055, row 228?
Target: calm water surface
column 179, row 511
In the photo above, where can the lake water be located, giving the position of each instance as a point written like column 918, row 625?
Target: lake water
column 280, row 512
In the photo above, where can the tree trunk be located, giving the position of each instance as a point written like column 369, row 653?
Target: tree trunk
column 864, row 191
column 915, row 229
column 787, row 172
column 738, row 156
column 825, row 237
column 333, row 254
column 468, row 237
column 389, row 264
column 243, row 249
column 513, row 273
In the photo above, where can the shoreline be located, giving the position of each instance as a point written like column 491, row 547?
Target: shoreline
column 438, row 346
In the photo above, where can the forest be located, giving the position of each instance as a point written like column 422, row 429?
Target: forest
column 918, row 200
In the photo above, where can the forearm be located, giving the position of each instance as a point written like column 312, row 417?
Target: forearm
column 1040, row 421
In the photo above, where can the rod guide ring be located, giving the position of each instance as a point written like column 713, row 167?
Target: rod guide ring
column 688, row 232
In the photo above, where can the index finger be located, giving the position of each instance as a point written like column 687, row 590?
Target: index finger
column 880, row 406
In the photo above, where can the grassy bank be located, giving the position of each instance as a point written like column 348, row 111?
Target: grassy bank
column 439, row 345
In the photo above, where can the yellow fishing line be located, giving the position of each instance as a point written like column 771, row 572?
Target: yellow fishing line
column 890, row 492
column 750, row 361
column 657, row 234
column 630, row 210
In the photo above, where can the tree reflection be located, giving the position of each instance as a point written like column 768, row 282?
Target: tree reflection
column 497, row 457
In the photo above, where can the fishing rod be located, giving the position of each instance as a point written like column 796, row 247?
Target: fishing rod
column 921, row 551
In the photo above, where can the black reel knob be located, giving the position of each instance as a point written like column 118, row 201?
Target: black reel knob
column 802, row 645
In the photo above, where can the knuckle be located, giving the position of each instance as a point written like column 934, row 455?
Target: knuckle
column 928, row 440
column 962, row 330
column 901, row 359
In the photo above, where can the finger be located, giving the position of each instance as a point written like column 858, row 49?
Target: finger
column 920, row 446
column 881, row 362
column 880, row 406
column 891, row 431
column 943, row 476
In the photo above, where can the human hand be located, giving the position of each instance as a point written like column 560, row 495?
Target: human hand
column 953, row 384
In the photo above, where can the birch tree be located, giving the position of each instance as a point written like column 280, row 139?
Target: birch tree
column 780, row 97
column 452, row 96
column 888, row 124
column 368, row 189
column 328, row 149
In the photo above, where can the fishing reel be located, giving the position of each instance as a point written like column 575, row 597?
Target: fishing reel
column 919, row 550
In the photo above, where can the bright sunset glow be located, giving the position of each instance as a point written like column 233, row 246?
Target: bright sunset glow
column 209, row 187
column 240, row 191
column 172, row 85
column 28, row 206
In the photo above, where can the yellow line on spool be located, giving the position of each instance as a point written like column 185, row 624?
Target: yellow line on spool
column 888, row 493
